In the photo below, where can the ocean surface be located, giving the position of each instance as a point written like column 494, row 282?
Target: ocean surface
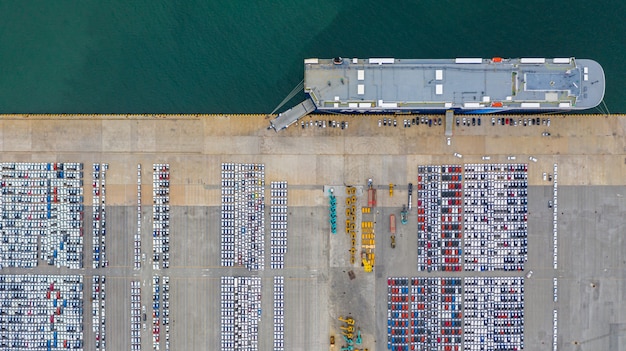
column 207, row 56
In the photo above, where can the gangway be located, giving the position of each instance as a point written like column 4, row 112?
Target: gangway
column 287, row 118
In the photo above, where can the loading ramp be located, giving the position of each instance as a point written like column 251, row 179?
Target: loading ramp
column 292, row 115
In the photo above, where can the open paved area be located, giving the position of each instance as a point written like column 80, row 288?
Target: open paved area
column 590, row 152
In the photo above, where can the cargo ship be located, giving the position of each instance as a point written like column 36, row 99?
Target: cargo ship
column 461, row 85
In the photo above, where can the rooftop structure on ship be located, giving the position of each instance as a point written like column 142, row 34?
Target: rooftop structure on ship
column 463, row 85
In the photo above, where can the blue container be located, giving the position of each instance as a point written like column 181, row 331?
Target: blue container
column 62, row 245
column 54, row 254
column 64, row 303
column 54, row 303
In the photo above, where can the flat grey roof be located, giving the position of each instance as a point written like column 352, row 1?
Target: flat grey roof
column 396, row 84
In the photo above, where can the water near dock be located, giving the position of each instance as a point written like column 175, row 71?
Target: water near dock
column 201, row 56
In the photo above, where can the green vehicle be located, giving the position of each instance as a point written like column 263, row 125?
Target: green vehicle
column 403, row 215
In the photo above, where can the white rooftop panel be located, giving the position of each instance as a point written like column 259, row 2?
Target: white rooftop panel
column 361, row 89
column 468, row 60
column 439, row 74
column 311, row 60
column 360, row 74
column 439, row 89
column 532, row 60
column 561, row 60
column 381, row 60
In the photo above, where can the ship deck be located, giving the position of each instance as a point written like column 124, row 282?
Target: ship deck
column 464, row 84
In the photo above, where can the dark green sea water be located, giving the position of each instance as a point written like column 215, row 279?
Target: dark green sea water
column 203, row 56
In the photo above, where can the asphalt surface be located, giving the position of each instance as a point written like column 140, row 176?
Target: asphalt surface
column 590, row 152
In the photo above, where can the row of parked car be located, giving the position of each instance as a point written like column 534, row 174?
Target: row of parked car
column 439, row 218
column 41, row 195
column 495, row 216
column 41, row 312
column 279, row 313
column 98, row 287
column 99, row 215
column 555, row 212
column 555, row 330
column 160, row 318
column 240, row 313
column 243, row 215
column 322, row 124
column 161, row 216
column 278, row 224
column 166, row 310
column 424, row 313
column 520, row 121
column 137, row 315
column 494, row 313
column 137, row 256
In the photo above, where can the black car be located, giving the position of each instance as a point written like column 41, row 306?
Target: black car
column 457, row 121
column 439, row 121
column 473, row 121
column 478, row 120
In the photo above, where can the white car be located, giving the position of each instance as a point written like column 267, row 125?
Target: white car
column 486, row 158
column 458, row 155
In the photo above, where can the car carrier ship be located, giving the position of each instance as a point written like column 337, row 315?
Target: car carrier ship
column 461, row 85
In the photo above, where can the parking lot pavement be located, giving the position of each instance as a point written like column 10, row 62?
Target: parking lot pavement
column 587, row 149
